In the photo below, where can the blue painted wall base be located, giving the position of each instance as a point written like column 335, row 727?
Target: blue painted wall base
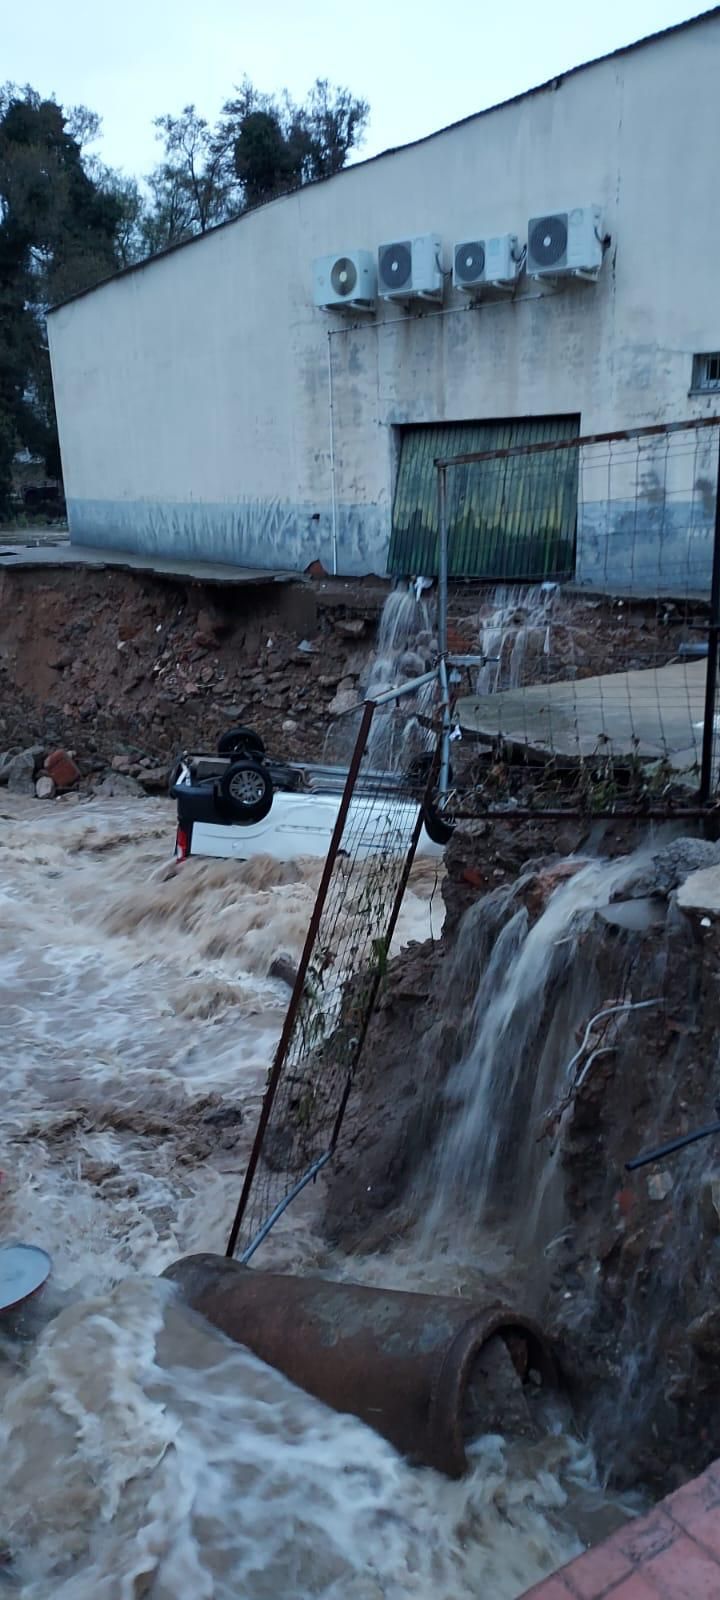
column 642, row 547
column 272, row 534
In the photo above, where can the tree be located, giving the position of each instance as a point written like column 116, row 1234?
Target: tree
column 7, row 452
column 277, row 145
column 67, row 221
column 333, row 124
column 63, row 226
column 261, row 146
column 130, row 206
column 265, row 162
column 62, row 222
column 189, row 190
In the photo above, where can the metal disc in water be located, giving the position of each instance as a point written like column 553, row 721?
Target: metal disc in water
column 23, row 1269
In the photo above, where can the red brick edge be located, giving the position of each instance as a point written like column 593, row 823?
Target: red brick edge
column 673, row 1554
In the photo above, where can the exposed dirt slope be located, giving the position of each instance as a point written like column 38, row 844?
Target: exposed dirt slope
column 112, row 661
column 623, row 1268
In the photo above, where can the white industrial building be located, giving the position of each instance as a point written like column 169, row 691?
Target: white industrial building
column 210, row 406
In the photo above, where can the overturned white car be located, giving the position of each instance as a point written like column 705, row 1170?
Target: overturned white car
column 241, row 802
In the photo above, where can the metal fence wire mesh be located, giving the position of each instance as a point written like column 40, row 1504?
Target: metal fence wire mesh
column 596, row 696
column 585, row 700
column 341, row 968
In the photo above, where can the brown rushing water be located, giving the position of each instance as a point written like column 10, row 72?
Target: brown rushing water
column 143, row 1455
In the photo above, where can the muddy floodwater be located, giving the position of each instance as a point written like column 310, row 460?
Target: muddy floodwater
column 140, row 1453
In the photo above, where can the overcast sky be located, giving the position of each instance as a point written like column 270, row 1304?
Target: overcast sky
column 420, row 65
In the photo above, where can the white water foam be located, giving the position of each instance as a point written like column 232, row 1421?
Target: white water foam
column 406, row 648
column 533, row 990
column 514, row 625
column 142, row 1454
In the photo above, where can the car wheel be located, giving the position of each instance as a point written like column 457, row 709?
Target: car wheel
column 238, row 741
column 247, row 789
column 439, row 826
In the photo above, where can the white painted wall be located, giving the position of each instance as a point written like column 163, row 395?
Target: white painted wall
column 192, row 394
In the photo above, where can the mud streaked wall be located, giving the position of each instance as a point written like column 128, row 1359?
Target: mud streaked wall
column 193, row 393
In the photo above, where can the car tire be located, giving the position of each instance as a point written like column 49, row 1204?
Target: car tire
column 247, row 791
column 239, row 741
column 437, row 826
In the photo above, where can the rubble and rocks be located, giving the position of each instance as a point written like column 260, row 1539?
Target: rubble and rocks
column 621, row 1267
column 165, row 665
column 110, row 662
column 194, row 1129
column 154, row 780
column 284, row 968
column 31, row 772
column 224, row 1116
column 345, row 700
column 351, row 627
column 116, row 784
column 19, row 772
column 701, row 892
column 659, row 1185
column 672, row 865
column 62, row 769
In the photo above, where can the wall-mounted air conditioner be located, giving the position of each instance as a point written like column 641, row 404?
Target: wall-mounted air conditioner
column 566, row 243
column 346, row 282
column 493, row 261
column 411, row 269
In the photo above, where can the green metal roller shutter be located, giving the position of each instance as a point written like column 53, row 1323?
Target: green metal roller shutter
column 513, row 518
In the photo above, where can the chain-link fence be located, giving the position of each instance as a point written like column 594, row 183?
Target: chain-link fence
column 342, row 965
column 597, row 696
column 582, row 701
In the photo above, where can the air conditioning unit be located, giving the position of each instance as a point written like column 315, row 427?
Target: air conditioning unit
column 566, row 243
column 486, row 261
column 411, row 269
column 346, row 282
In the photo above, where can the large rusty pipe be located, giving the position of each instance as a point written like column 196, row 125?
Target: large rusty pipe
column 409, row 1365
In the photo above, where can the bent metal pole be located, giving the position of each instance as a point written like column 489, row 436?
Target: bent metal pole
column 444, row 777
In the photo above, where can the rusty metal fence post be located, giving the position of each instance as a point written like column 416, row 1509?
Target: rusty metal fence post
column 299, row 986
column 344, row 957
column 443, row 630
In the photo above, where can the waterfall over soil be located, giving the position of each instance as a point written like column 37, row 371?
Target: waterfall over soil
column 567, row 1022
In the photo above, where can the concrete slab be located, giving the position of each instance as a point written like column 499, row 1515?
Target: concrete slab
column 701, row 892
column 654, row 712
column 56, row 550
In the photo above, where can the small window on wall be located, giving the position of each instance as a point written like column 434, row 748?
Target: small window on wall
column 706, row 373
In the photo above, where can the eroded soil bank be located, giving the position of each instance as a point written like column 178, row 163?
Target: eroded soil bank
column 623, row 1268
column 113, row 662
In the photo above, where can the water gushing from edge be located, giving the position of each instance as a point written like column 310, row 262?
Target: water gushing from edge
column 515, row 623
column 533, row 989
